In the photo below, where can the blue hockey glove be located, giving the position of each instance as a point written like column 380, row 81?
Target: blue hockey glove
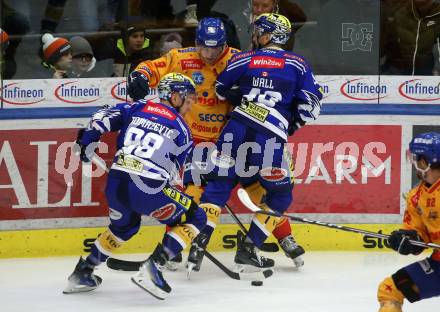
column 137, row 85
column 399, row 241
column 85, row 139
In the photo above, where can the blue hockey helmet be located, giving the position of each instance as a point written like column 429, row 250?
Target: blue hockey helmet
column 427, row 146
column 175, row 82
column 277, row 25
column 211, row 32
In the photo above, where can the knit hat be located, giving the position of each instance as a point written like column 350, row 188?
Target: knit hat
column 54, row 48
column 131, row 29
column 80, row 46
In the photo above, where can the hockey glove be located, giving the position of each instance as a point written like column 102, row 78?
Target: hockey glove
column 87, row 142
column 137, row 86
column 399, row 241
column 296, row 123
column 309, row 112
column 234, row 96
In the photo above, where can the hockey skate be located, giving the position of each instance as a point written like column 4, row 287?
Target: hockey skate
column 150, row 278
column 196, row 253
column 173, row 264
column 247, row 260
column 82, row 279
column 292, row 250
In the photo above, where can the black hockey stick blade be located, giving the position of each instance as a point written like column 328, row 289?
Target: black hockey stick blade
column 267, row 247
column 124, row 265
column 239, row 276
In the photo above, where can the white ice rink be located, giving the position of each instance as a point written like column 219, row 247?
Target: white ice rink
column 329, row 281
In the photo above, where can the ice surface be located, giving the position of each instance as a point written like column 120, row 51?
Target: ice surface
column 329, row 281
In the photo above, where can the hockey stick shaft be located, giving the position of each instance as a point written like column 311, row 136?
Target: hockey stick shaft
column 267, row 247
column 244, row 198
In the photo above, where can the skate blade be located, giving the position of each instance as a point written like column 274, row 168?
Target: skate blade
column 252, row 273
column 172, row 266
column 247, row 268
column 74, row 289
column 146, row 284
column 190, row 268
column 298, row 261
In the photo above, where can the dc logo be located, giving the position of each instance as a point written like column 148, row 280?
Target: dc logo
column 357, row 37
column 198, row 77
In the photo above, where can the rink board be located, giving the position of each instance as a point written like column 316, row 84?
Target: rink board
column 62, row 242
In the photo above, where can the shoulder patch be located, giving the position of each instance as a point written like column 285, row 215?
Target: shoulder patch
column 294, row 57
column 190, row 49
column 241, row 55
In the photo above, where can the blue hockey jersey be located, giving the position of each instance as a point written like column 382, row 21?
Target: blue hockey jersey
column 153, row 139
column 277, row 86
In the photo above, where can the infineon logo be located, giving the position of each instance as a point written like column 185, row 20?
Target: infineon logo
column 119, row 91
column 266, row 62
column 69, row 92
column 13, row 94
column 420, row 90
column 361, row 91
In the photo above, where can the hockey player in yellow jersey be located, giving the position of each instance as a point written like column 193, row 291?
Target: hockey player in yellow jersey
column 420, row 280
column 207, row 117
column 202, row 63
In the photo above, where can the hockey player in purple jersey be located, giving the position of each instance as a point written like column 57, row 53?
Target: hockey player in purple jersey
column 279, row 95
column 152, row 144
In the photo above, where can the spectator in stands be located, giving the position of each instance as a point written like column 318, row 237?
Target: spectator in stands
column 204, row 10
column 83, row 60
column 411, row 38
column 167, row 42
column 131, row 49
column 196, row 10
column 4, row 43
column 15, row 24
column 127, row 50
column 288, row 8
column 57, row 55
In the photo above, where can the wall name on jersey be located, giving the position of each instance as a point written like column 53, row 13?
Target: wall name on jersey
column 266, row 62
column 262, row 83
column 151, row 125
column 158, row 109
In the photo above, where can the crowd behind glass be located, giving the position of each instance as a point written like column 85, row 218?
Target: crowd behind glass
column 108, row 38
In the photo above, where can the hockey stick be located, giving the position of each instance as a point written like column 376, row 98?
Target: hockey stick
column 126, row 265
column 245, row 199
column 267, row 247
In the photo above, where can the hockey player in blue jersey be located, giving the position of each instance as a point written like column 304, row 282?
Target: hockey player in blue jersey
column 152, row 144
column 279, row 95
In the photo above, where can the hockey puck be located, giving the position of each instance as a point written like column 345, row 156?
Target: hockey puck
column 257, row 283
